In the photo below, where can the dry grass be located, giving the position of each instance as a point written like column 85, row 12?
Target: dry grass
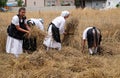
column 69, row 62
column 38, row 34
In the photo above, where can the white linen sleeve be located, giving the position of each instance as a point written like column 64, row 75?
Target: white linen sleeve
column 40, row 26
column 62, row 30
column 15, row 20
column 84, row 34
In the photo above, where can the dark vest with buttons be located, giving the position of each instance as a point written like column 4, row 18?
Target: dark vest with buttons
column 13, row 32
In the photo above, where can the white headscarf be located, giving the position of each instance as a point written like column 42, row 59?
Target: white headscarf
column 31, row 21
column 65, row 13
column 41, row 20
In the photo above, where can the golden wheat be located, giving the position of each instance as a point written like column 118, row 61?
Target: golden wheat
column 69, row 62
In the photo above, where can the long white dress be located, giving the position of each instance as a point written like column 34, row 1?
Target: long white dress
column 49, row 41
column 13, row 45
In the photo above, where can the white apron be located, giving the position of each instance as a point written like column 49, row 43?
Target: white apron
column 14, row 46
column 50, row 42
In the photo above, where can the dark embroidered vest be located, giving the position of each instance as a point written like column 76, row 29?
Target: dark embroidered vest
column 13, row 32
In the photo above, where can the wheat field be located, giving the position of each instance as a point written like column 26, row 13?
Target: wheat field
column 70, row 62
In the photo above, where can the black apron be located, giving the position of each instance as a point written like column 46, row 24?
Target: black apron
column 93, row 37
column 55, row 33
column 13, row 32
column 29, row 44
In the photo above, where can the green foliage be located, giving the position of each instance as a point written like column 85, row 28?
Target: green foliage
column 3, row 3
column 118, row 5
column 77, row 3
column 19, row 2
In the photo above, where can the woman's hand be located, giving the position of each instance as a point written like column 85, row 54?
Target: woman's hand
column 65, row 33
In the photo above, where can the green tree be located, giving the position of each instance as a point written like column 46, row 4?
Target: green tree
column 77, row 3
column 20, row 2
column 118, row 5
column 3, row 3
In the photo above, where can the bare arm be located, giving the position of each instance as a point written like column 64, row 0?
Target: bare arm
column 83, row 45
column 22, row 30
column 28, row 28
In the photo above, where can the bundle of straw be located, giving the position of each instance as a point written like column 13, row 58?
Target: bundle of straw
column 116, row 35
column 39, row 34
column 71, row 30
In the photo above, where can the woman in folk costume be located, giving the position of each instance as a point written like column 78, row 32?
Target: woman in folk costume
column 37, row 22
column 30, row 44
column 16, row 31
column 56, row 27
column 93, row 37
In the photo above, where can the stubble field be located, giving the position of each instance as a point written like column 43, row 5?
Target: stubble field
column 70, row 62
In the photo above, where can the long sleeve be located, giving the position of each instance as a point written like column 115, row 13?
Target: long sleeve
column 40, row 26
column 62, row 29
column 59, row 23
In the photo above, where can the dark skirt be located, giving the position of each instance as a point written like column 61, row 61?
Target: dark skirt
column 91, row 38
column 29, row 44
column 55, row 33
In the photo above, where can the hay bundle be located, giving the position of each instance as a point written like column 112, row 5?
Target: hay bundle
column 116, row 35
column 37, row 59
column 71, row 30
column 71, row 26
column 70, row 52
column 38, row 34
column 3, row 36
column 50, row 72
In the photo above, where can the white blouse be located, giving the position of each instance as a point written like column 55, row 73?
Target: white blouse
column 15, row 20
column 85, row 33
column 59, row 23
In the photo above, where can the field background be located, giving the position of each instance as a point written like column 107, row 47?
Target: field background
column 70, row 62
